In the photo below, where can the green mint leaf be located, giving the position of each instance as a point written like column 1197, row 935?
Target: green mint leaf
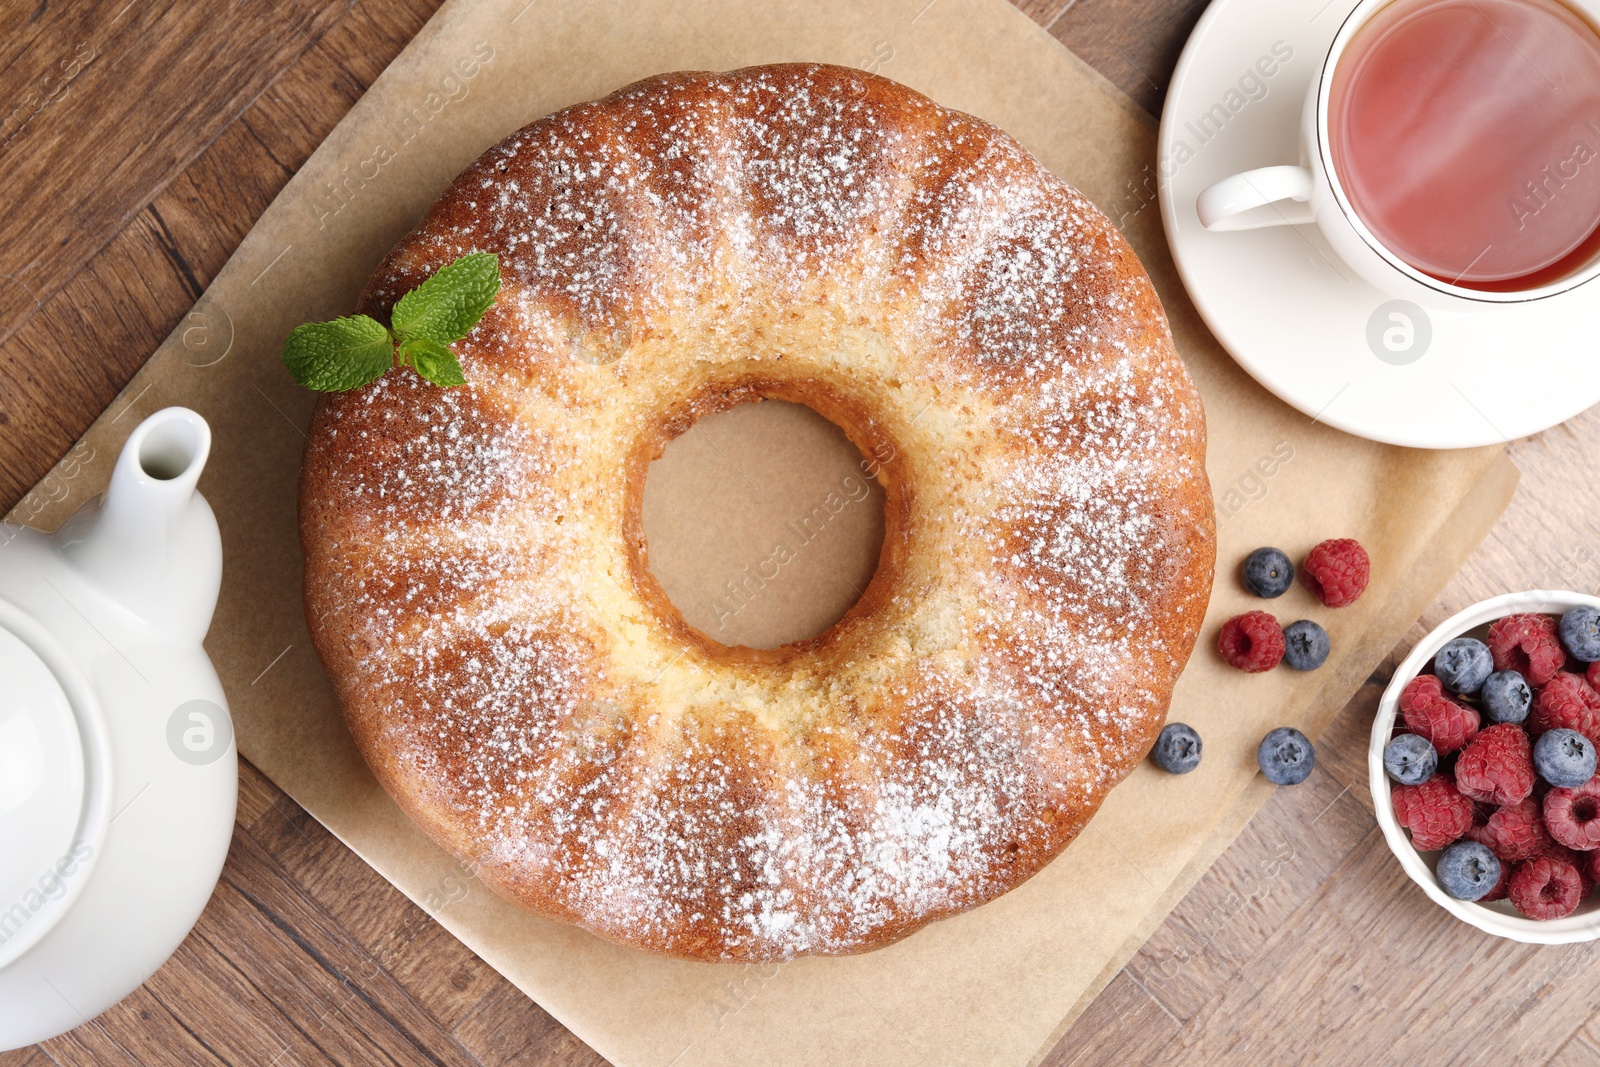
column 350, row 352
column 432, row 360
column 448, row 305
column 343, row 354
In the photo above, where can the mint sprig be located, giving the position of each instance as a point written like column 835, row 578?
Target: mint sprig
column 342, row 354
column 432, row 360
column 350, row 352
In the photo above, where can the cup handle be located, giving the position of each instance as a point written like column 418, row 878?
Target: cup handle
column 1223, row 206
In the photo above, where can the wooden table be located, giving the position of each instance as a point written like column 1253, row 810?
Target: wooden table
column 139, row 144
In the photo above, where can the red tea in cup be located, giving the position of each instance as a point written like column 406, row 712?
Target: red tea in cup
column 1466, row 135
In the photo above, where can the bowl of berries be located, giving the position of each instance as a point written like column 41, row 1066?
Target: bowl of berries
column 1483, row 766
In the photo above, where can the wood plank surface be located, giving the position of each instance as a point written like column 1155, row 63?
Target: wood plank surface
column 141, row 141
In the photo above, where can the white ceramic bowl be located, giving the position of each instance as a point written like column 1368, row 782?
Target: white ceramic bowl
column 1498, row 918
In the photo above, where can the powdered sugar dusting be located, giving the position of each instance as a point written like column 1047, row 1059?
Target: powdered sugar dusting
column 805, row 223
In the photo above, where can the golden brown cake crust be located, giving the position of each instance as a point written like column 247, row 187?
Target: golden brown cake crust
column 476, row 577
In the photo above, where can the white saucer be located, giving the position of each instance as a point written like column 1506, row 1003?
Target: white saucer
column 1296, row 317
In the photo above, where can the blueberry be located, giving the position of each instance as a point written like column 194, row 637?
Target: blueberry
column 1410, row 759
column 1580, row 633
column 1564, row 758
column 1506, row 697
column 1177, row 749
column 1464, row 665
column 1468, row 870
column 1268, row 572
column 1305, row 645
column 1286, row 756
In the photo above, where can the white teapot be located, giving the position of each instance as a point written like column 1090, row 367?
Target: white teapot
column 118, row 773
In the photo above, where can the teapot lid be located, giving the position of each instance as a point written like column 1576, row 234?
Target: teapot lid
column 54, row 781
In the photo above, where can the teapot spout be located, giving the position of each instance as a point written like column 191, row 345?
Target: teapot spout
column 153, row 544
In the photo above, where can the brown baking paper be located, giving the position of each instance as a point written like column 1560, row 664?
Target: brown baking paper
column 993, row 986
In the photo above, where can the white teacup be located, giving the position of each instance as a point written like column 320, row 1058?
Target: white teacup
column 1311, row 193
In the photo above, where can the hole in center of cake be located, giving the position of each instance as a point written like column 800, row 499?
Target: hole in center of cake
column 762, row 524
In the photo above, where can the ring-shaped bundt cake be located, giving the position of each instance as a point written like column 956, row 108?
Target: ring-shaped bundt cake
column 476, row 573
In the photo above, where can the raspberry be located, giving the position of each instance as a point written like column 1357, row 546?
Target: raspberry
column 1337, row 571
column 1496, row 767
column 1514, row 833
column 1589, row 867
column 1592, row 675
column 1252, row 642
column 1573, row 815
column 1547, row 887
column 1566, row 700
column 1579, row 861
column 1427, row 711
column 1527, row 644
column 1435, row 812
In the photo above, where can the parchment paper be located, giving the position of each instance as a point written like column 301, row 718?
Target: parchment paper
column 994, row 986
